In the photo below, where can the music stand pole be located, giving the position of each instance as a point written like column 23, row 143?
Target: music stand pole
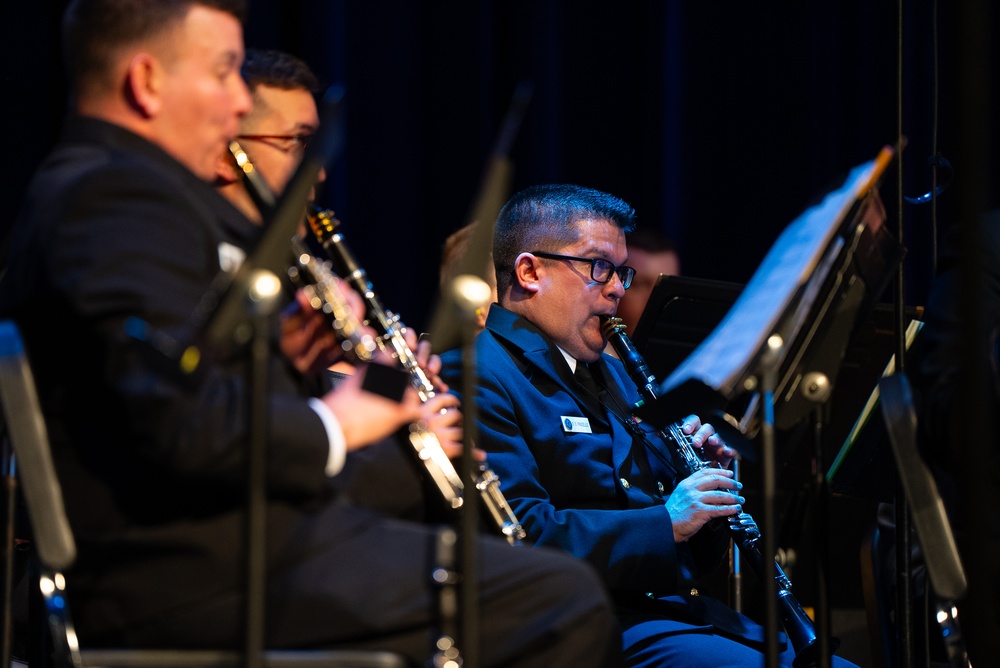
column 768, row 380
column 467, row 294
column 821, row 503
column 262, row 297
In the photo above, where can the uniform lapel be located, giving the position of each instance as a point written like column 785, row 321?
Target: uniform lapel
column 551, row 362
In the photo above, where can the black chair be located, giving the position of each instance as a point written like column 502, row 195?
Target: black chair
column 56, row 550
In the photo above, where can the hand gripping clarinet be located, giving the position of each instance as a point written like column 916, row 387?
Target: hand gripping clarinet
column 320, row 286
column 391, row 330
column 309, row 273
column 745, row 534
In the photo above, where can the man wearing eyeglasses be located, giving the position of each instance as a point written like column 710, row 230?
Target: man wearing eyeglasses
column 551, row 411
column 384, row 477
column 277, row 129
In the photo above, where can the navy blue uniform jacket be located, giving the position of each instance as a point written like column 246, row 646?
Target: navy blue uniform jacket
column 599, row 496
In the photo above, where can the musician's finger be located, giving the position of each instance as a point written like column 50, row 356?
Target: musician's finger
column 446, row 419
column 691, row 424
column 410, row 337
column 300, row 305
column 725, row 510
column 432, row 365
column 713, row 473
column 714, row 446
column 453, row 449
column 701, row 437
column 721, row 497
column 715, row 479
column 423, row 351
column 440, row 402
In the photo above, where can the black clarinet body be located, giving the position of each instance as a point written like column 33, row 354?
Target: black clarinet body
column 743, row 529
column 391, row 333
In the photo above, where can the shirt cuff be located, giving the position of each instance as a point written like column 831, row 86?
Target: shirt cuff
column 335, row 434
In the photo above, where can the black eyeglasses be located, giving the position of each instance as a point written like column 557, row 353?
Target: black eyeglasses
column 288, row 142
column 601, row 270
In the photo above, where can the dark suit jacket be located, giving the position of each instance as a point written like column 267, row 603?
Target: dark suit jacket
column 600, row 495
column 152, row 465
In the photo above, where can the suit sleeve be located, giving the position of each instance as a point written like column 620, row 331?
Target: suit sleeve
column 131, row 246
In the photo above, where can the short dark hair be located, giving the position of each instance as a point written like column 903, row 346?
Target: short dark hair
column 278, row 70
column 92, row 30
column 544, row 218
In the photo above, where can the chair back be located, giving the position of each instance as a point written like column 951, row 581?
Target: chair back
column 26, row 428
column 56, row 548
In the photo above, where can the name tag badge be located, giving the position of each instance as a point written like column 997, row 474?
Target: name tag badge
column 575, row 425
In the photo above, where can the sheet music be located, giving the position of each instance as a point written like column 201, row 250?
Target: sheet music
column 725, row 358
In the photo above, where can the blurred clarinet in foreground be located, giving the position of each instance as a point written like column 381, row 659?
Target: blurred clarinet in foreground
column 320, row 287
column 391, row 337
column 798, row 626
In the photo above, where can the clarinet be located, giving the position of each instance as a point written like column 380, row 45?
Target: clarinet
column 320, row 287
column 391, row 332
column 742, row 527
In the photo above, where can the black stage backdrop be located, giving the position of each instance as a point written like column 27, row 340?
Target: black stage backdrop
column 719, row 122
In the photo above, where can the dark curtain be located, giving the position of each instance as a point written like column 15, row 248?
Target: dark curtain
column 719, row 122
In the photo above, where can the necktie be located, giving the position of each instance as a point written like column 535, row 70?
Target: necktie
column 585, row 377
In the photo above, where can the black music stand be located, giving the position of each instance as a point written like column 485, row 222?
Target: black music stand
column 787, row 333
column 864, row 457
column 680, row 313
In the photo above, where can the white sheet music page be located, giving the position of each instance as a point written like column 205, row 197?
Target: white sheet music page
column 723, row 360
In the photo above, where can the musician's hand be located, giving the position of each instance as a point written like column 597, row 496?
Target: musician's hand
column 306, row 337
column 441, row 415
column 701, row 497
column 366, row 417
column 431, row 364
column 710, row 446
